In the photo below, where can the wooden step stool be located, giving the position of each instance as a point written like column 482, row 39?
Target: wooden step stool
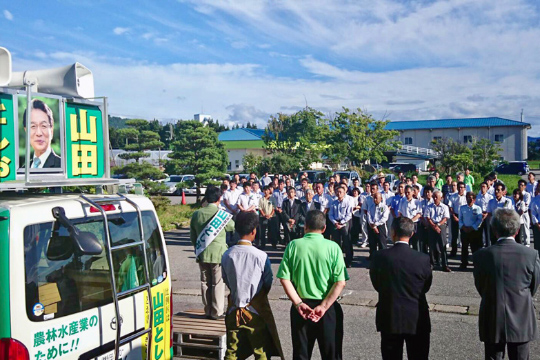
column 196, row 337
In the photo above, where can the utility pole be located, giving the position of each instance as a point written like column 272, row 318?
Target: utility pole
column 522, row 117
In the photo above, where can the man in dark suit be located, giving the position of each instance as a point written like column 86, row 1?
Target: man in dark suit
column 307, row 205
column 41, row 136
column 506, row 275
column 291, row 215
column 402, row 277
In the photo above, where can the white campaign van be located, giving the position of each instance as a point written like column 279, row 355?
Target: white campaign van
column 82, row 276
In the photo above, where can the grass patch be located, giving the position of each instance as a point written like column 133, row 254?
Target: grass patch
column 173, row 216
column 509, row 180
column 534, row 164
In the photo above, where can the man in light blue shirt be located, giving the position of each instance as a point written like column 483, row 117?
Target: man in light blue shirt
column 340, row 215
column 470, row 219
column 248, row 275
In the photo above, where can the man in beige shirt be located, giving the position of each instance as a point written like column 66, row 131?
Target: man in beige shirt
column 268, row 220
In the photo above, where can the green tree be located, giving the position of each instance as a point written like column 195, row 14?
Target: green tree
column 299, row 138
column 356, row 137
column 251, row 162
column 139, row 138
column 197, row 151
column 453, row 156
column 484, row 154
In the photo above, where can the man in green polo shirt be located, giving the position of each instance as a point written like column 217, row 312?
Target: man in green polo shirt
column 468, row 179
column 313, row 274
column 212, row 286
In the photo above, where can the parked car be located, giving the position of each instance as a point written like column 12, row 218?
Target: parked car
column 174, row 180
column 193, row 190
column 313, row 176
column 513, row 167
column 402, row 167
column 349, row 175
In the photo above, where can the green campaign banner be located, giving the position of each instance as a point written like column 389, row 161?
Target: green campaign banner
column 84, row 141
column 7, row 139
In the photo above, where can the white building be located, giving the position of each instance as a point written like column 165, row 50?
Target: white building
column 240, row 142
column 512, row 135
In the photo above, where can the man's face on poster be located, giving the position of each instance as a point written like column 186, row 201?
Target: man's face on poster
column 41, row 132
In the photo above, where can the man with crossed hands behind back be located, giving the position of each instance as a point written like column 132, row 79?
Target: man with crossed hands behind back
column 313, row 274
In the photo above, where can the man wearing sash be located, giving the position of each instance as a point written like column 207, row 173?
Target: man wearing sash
column 207, row 232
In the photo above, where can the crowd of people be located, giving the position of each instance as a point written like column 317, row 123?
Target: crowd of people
column 447, row 214
column 326, row 220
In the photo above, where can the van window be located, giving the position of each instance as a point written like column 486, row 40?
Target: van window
column 79, row 283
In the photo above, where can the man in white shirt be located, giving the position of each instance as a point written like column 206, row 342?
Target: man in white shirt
column 500, row 201
column 230, row 198
column 414, row 179
column 362, row 199
column 437, row 215
column 266, row 180
column 470, row 218
column 340, row 215
column 527, row 198
column 461, row 178
column 531, row 185
column 482, row 200
column 323, row 198
column 409, row 207
column 423, row 238
column 247, row 201
column 456, row 201
column 377, row 216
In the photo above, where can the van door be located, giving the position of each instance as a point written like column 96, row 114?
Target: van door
column 63, row 308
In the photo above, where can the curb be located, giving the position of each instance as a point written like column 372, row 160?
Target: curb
column 356, row 301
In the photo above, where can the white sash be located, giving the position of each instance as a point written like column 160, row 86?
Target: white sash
column 211, row 230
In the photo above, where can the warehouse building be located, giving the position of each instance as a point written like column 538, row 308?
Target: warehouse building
column 512, row 135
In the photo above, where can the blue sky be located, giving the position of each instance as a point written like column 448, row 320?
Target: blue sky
column 243, row 61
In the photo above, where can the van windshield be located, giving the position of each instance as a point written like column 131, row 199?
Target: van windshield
column 56, row 288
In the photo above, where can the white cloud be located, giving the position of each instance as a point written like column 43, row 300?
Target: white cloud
column 244, row 92
column 120, row 30
column 8, row 15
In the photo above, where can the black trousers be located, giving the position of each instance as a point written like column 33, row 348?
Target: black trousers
column 520, row 237
column 455, row 234
column 485, row 233
column 329, row 228
column 474, row 239
column 343, row 238
column 437, row 245
column 516, row 351
column 377, row 241
column 423, row 240
column 328, row 332
column 268, row 230
column 536, row 235
column 414, row 241
column 417, row 346
column 356, row 229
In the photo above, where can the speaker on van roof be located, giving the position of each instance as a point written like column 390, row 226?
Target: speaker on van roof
column 73, row 80
column 5, row 66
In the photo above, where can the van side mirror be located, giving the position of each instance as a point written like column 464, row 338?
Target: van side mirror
column 81, row 242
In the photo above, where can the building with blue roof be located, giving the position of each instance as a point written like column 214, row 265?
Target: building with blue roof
column 511, row 134
column 413, row 134
column 239, row 142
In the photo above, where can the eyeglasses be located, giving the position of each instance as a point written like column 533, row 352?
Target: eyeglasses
column 42, row 127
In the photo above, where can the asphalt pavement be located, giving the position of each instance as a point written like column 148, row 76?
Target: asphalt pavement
column 453, row 300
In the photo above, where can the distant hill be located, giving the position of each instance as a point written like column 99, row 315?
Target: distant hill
column 117, row 122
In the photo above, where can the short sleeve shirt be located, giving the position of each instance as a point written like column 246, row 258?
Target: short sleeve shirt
column 313, row 264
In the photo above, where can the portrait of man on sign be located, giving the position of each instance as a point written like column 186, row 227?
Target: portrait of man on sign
column 42, row 135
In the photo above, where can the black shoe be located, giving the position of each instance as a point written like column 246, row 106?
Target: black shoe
column 221, row 317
